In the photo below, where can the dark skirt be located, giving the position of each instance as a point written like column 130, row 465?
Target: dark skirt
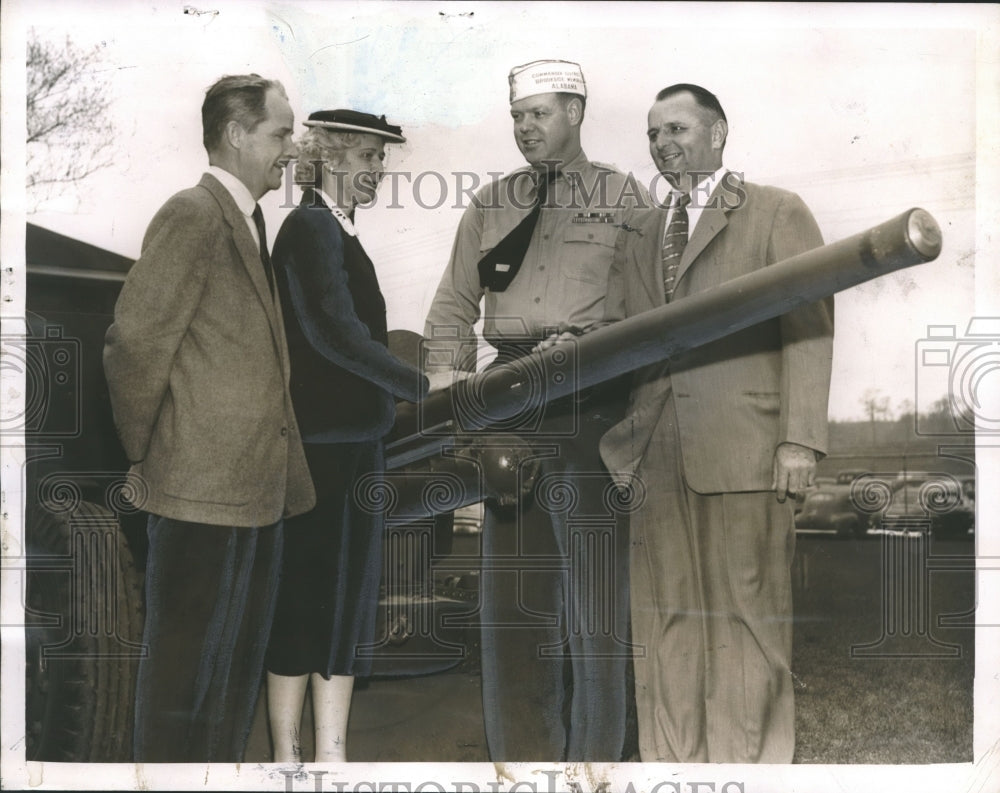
column 331, row 570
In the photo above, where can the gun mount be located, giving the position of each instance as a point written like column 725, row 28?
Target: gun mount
column 447, row 437
column 82, row 640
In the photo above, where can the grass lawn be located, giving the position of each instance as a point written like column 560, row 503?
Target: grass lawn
column 907, row 697
column 849, row 710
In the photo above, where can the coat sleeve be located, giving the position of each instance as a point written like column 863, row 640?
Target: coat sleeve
column 806, row 336
column 311, row 252
column 154, row 310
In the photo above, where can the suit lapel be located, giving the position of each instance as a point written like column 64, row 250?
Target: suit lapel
column 712, row 221
column 649, row 249
column 249, row 254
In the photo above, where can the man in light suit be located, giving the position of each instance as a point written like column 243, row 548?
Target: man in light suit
column 197, row 366
column 716, row 439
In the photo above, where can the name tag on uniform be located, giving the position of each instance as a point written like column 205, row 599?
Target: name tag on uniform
column 594, row 217
column 502, row 268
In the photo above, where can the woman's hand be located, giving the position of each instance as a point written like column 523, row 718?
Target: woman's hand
column 444, row 378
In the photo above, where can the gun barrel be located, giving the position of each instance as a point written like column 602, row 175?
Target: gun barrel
column 490, row 398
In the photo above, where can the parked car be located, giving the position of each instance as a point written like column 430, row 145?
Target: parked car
column 848, row 475
column 831, row 509
column 969, row 488
column 939, row 503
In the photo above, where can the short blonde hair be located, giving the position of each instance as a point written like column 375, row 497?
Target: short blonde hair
column 318, row 147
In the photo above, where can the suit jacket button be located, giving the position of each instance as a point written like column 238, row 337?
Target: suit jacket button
column 284, row 431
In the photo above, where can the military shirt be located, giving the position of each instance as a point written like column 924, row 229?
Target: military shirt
column 563, row 278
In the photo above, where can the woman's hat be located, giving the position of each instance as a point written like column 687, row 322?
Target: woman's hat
column 355, row 121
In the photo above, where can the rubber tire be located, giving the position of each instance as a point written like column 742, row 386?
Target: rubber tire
column 79, row 704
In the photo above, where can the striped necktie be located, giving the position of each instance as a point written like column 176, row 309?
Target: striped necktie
column 674, row 240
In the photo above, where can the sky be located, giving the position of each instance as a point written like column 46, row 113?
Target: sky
column 865, row 110
column 863, row 118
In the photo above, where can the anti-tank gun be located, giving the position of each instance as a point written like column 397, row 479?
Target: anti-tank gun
column 83, row 542
column 456, row 447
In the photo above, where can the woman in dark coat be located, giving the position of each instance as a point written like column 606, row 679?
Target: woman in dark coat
column 344, row 383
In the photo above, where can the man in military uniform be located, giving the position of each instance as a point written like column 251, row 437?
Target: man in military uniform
column 535, row 247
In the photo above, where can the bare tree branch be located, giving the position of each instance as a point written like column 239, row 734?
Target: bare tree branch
column 70, row 134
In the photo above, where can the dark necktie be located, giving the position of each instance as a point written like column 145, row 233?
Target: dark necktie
column 265, row 257
column 673, row 243
column 498, row 267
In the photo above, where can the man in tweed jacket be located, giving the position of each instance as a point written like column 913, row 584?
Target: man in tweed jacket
column 197, row 366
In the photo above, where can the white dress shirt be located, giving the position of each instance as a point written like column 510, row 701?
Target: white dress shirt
column 700, row 197
column 241, row 195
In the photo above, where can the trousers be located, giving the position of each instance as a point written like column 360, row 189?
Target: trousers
column 711, row 617
column 554, row 599
column 210, row 595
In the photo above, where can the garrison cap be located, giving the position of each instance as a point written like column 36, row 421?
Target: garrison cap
column 546, row 77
